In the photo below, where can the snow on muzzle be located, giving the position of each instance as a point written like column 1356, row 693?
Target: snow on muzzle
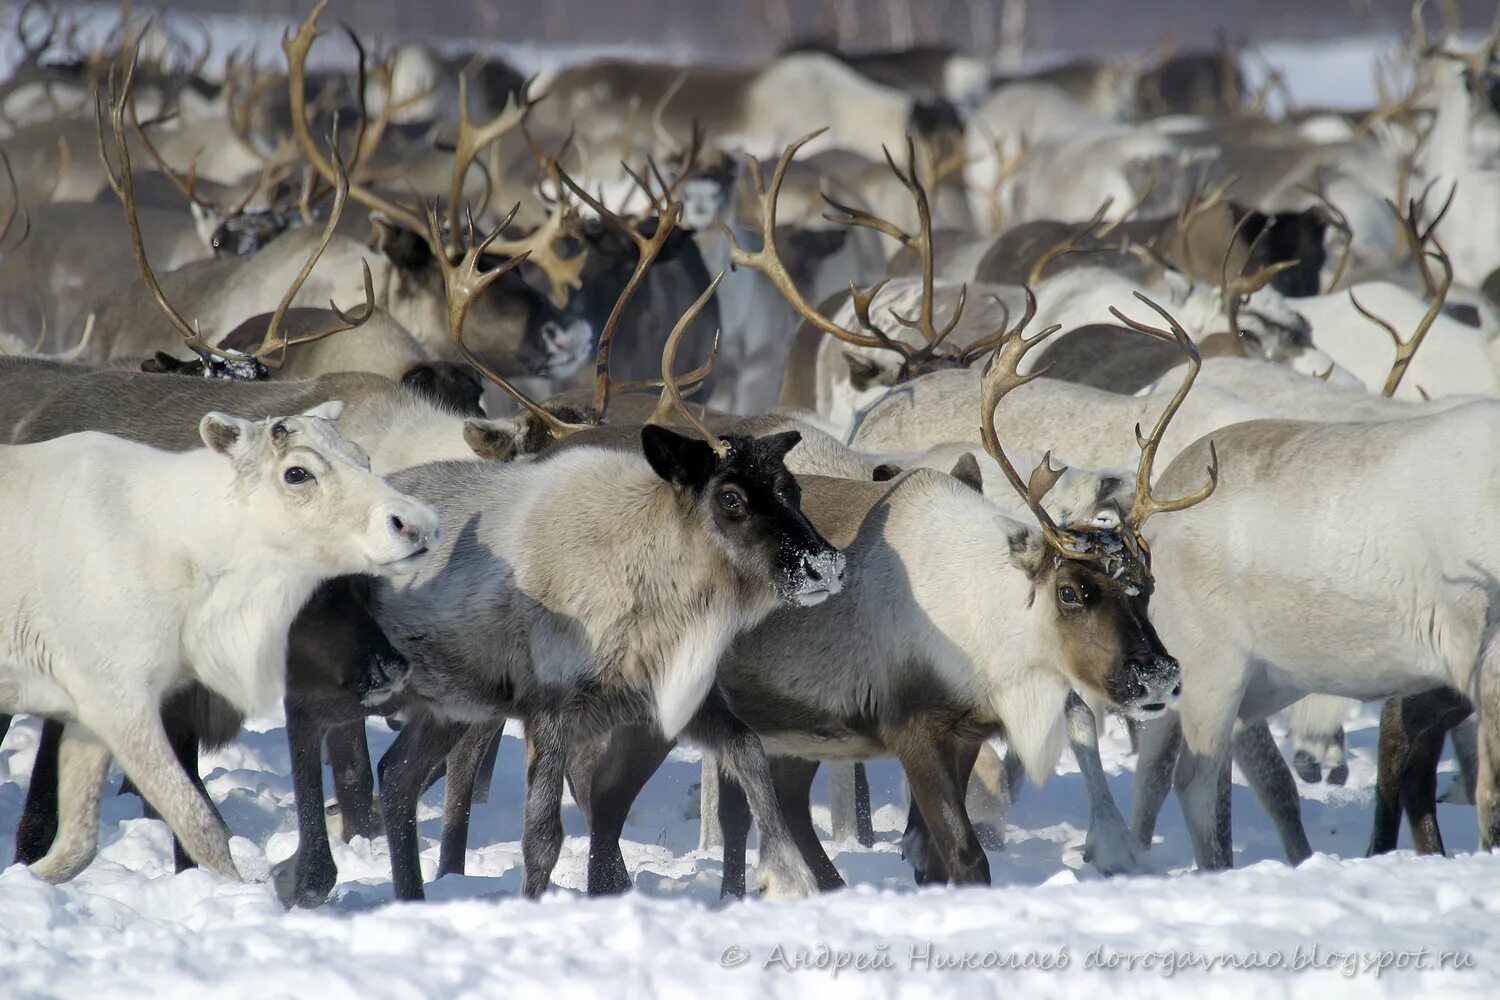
column 820, row 576
column 1152, row 686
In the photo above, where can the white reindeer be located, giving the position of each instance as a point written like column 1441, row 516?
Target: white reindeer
column 131, row 571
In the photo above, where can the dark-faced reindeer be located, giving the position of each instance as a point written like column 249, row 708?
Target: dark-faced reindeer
column 277, row 507
column 908, row 666
column 623, row 580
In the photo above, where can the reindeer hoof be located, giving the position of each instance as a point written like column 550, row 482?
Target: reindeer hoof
column 1338, row 774
column 303, row 890
column 1308, row 768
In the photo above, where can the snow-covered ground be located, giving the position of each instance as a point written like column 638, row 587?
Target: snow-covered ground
column 1049, row 925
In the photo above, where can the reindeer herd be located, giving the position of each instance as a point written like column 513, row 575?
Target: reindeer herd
column 840, row 408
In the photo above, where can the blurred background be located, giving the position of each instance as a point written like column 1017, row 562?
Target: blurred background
column 744, row 30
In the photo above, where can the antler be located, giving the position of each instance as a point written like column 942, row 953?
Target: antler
column 1147, row 503
column 124, row 188
column 473, row 139
column 1001, row 376
column 767, row 260
column 671, row 394
column 1070, row 244
column 977, row 349
column 923, row 322
column 1416, row 235
column 648, row 248
column 1199, row 205
column 463, row 282
column 1237, row 292
column 1340, row 222
column 275, row 341
column 1006, row 167
column 1406, row 349
column 297, row 48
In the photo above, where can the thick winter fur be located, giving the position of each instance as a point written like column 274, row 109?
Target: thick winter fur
column 950, row 631
column 1401, row 598
column 594, row 588
column 258, row 519
column 1092, row 428
column 396, row 425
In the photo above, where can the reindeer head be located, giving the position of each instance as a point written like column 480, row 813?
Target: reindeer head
column 1094, row 580
column 315, row 495
column 751, row 506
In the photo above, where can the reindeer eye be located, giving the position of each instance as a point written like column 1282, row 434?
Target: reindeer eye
column 731, row 501
column 296, row 475
column 1069, row 596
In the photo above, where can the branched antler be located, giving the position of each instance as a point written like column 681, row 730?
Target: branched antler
column 120, row 101
column 1146, row 503
column 1407, row 349
column 671, row 394
column 767, row 260
column 1340, row 222
column 1093, row 227
column 1237, row 291
column 1417, row 235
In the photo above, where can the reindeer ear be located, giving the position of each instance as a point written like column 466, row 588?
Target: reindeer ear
column 677, row 458
column 966, row 471
column 221, row 432
column 493, row 440
column 864, row 372
column 777, row 445
column 331, row 410
column 402, row 247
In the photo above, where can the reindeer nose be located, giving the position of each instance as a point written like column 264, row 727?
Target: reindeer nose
column 825, row 568
column 401, row 528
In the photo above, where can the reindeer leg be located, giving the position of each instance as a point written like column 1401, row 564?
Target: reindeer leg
column 792, row 777
column 929, row 762
column 734, row 824
column 458, row 795
column 423, row 744
column 1433, row 713
column 182, row 734
column 486, row 776
column 633, row 755
column 1395, row 750
column 83, row 764
column 353, row 780
column 1202, row 778
column 135, row 736
column 38, row 824
column 307, row 877
column 1465, row 739
column 547, row 736
column 1159, row 744
column 917, row 848
column 783, row 872
column 1271, row 779
column 1110, row 846
column 988, row 796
